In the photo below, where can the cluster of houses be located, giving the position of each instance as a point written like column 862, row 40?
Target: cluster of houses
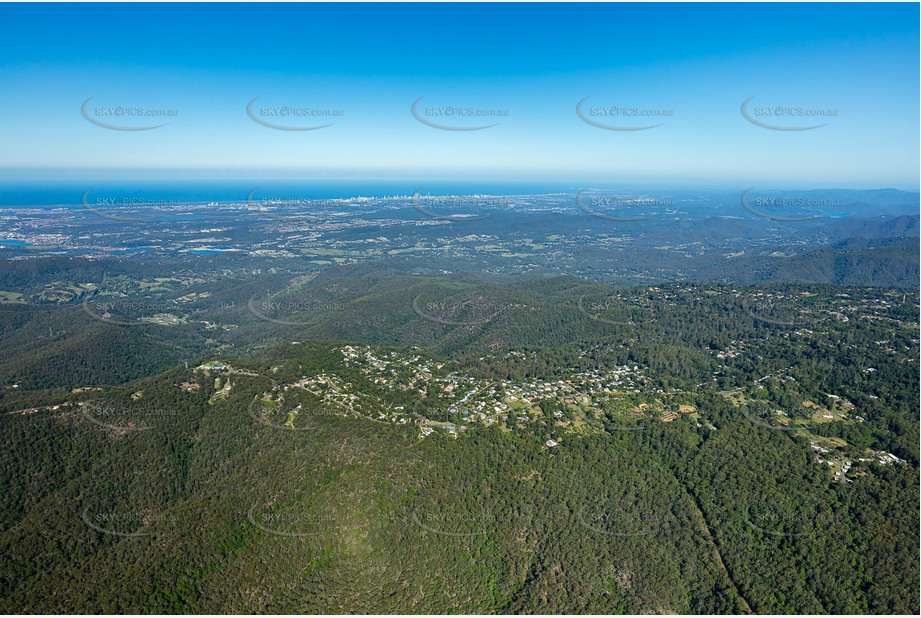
column 833, row 460
column 474, row 400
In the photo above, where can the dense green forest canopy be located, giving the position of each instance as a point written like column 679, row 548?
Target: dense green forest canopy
column 715, row 448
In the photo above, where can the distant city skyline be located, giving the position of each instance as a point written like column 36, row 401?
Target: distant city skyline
column 795, row 95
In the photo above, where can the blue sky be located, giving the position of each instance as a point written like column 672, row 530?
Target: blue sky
column 698, row 62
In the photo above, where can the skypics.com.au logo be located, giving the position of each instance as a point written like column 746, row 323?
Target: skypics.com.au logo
column 455, row 117
column 125, row 117
column 296, row 118
column 621, row 117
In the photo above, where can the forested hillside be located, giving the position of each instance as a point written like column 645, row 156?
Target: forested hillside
column 371, row 438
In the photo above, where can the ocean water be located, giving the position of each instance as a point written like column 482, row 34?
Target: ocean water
column 71, row 193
